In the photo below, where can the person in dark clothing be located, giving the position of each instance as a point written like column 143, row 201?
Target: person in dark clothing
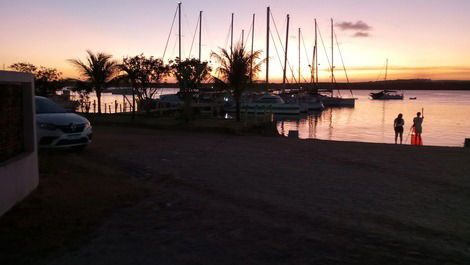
column 398, row 126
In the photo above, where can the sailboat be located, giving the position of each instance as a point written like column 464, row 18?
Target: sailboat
column 274, row 102
column 332, row 100
column 307, row 100
column 386, row 94
column 268, row 102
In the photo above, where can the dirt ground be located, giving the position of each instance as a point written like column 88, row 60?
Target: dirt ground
column 225, row 199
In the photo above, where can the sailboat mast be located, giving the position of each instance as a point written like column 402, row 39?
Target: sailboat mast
column 268, row 13
column 179, row 30
column 332, row 58
column 299, row 55
column 252, row 43
column 314, row 58
column 285, row 52
column 200, row 34
column 312, row 68
column 316, row 50
column 386, row 70
column 231, row 35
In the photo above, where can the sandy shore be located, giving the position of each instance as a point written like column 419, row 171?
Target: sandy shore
column 224, row 199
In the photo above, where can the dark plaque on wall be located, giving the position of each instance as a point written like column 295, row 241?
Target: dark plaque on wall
column 11, row 121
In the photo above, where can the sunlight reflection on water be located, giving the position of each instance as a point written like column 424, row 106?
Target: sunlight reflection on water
column 446, row 120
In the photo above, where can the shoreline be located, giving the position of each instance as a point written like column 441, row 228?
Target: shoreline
column 214, row 125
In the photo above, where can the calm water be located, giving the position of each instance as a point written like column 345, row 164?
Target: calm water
column 446, row 122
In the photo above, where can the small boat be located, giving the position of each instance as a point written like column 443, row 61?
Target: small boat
column 414, row 98
column 331, row 100
column 386, row 94
column 268, row 103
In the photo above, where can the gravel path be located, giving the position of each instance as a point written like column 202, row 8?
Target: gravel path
column 223, row 199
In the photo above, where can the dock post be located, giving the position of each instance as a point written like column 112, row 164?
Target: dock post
column 94, row 106
column 105, row 107
column 123, row 103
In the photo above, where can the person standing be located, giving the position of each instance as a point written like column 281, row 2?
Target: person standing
column 398, row 124
column 418, row 127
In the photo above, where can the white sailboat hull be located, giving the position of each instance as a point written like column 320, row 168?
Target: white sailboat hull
column 338, row 102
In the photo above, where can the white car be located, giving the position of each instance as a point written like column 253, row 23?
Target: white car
column 56, row 128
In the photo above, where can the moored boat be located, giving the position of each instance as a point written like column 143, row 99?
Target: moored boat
column 386, row 94
column 307, row 101
column 268, row 103
column 333, row 101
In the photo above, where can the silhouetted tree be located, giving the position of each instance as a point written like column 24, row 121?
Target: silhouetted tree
column 234, row 67
column 99, row 69
column 46, row 80
column 130, row 70
column 24, row 67
column 190, row 73
column 144, row 74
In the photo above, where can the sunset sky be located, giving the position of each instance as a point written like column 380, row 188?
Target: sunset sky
column 421, row 38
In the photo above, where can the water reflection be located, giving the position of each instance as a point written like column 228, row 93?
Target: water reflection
column 445, row 124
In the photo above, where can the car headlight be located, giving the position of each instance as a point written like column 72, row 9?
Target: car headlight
column 88, row 125
column 47, row 126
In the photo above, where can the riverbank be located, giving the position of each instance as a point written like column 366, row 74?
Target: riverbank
column 228, row 199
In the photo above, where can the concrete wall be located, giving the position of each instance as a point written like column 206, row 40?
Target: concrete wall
column 19, row 174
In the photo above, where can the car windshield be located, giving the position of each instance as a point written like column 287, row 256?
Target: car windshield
column 44, row 105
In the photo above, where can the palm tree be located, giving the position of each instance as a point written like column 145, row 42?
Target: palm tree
column 99, row 69
column 234, row 68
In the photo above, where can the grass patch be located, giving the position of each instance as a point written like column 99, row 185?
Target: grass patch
column 198, row 123
column 75, row 194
